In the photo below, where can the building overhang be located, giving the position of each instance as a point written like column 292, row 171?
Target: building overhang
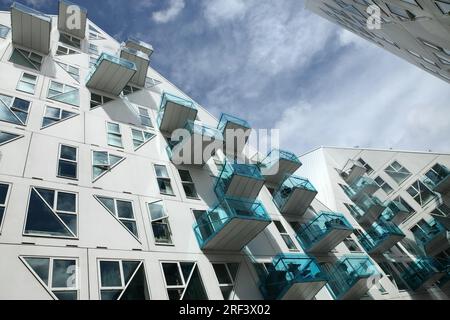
column 68, row 21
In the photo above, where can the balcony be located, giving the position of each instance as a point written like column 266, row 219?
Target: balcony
column 352, row 277
column 324, row 233
column 438, row 179
column 138, row 45
column 278, row 164
column 293, row 277
column 235, row 132
column 239, row 180
column 195, row 149
column 65, row 19
column 424, row 273
column 110, row 74
column 396, row 212
column 363, row 186
column 352, row 171
column 139, row 58
column 294, row 195
column 175, row 112
column 231, row 225
column 381, row 237
column 434, row 239
column 30, row 28
column 372, row 208
column 444, row 282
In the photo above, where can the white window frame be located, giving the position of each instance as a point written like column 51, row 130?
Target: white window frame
column 93, row 49
column 191, row 183
column 285, row 234
column 144, row 140
column 5, row 204
column 144, row 114
column 381, row 185
column 67, row 160
column 391, row 169
column 165, row 179
column 418, row 198
column 12, row 108
column 65, row 86
column 66, row 67
column 68, row 51
column 180, row 272
column 110, row 167
column 19, row 136
column 28, row 57
column 113, row 133
column 102, row 98
column 59, row 120
column 71, row 40
column 5, row 28
column 233, row 281
column 165, row 220
column 26, row 81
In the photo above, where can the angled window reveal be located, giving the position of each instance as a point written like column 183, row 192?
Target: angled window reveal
column 95, row 36
column 52, row 214
column 68, row 162
column 397, row 172
column 160, row 223
column 54, row 115
column 226, row 274
column 63, row 51
column 444, row 6
column 74, row 72
column 123, row 280
column 140, row 138
column 129, row 90
column 122, row 210
column 420, row 192
column 26, row 59
column 59, row 276
column 384, row 185
column 64, row 93
column 183, row 281
column 14, row 110
column 27, row 83
column 103, row 162
column 70, row 40
column 150, row 83
column 7, row 137
column 114, row 135
column 98, row 100
column 4, row 196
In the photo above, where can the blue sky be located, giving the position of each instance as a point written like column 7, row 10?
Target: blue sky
column 280, row 66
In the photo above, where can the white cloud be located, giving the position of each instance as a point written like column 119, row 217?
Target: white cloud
column 217, row 11
column 174, row 9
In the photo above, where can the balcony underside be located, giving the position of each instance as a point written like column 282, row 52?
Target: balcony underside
column 367, row 190
column 137, row 45
column 358, row 290
column 244, row 187
column 439, row 243
column 241, row 136
column 431, row 281
column 190, row 151
column 176, row 116
column 329, row 241
column 298, row 202
column 354, row 174
column 386, row 244
column 303, row 290
column 445, row 286
column 141, row 63
column 236, row 234
column 399, row 217
column 30, row 30
column 110, row 77
column 277, row 172
column 444, row 186
column 65, row 16
column 372, row 214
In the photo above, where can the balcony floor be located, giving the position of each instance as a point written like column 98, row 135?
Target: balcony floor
column 285, row 167
column 431, row 281
column 244, row 187
column 440, row 243
column 387, row 244
column 141, row 65
column 354, row 174
column 303, row 290
column 330, row 241
column 358, row 290
column 298, row 202
column 371, row 215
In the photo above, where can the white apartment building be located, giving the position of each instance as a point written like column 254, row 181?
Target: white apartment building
column 96, row 201
column 415, row 30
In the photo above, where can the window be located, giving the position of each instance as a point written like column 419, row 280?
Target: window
column 352, row 245
column 183, row 281
column 4, row 30
column 122, row 210
column 27, row 83
column 26, row 59
column 145, row 117
column 64, row 93
column 393, row 276
column 95, row 36
column 67, row 162
column 59, row 276
column 226, row 274
column 129, row 90
column 74, row 72
column 444, row 6
column 424, row 230
column 14, row 110
column 369, row 169
column 163, row 179
column 63, row 51
column 397, row 172
column 103, row 162
column 114, row 135
column 123, row 280
column 160, row 223
column 421, row 193
column 354, row 210
column 150, row 83
column 437, row 173
column 188, row 184
column 52, row 213
column 443, row 210
column 285, row 235
column 98, row 100
column 70, row 40
column 140, row 138
column 384, row 185
column 93, row 49
column 92, row 61
column 7, row 137
column 4, row 195
column 54, row 115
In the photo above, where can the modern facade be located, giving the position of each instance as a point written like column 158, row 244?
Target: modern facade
column 415, row 30
column 97, row 201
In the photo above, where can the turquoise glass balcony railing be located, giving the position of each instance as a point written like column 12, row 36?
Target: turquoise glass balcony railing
column 381, row 237
column 444, row 282
column 352, row 277
column 423, row 273
column 278, row 164
column 395, row 212
column 235, row 132
column 175, row 112
column 324, row 233
column 239, row 180
column 372, row 208
column 363, row 186
column 231, row 122
column 352, row 171
column 293, row 277
column 438, row 179
column 231, row 225
column 294, row 195
column 433, row 237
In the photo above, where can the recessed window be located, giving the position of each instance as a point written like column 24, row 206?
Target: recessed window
column 59, row 276
column 368, row 168
column 122, row 210
column 98, row 100
column 188, row 184
column 140, row 138
column 67, row 162
column 406, row 205
column 285, row 235
column 14, row 110
column 163, row 179
column 27, row 83
column 63, row 51
column 54, row 115
column 92, row 61
column 145, row 117
column 397, row 172
column 74, row 72
column 70, row 40
column 26, row 59
column 64, row 93
column 425, row 230
column 4, row 30
column 7, row 137
column 103, row 162
column 52, row 213
column 183, row 281
column 444, row 6
column 384, row 185
column 129, row 90
column 93, row 49
column 226, row 274
column 123, row 280
column 114, row 135
column 443, row 210
column 160, row 223
column 352, row 245
column 419, row 192
column 4, row 195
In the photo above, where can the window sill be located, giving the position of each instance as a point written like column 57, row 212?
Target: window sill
column 164, row 245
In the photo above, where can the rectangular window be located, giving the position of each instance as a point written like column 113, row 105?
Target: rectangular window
column 74, row 72
column 102, row 163
column 226, row 274
column 285, row 235
column 14, row 110
column 384, row 185
column 145, row 117
column 369, row 169
column 397, row 172
column 27, row 83
column 122, row 210
column 419, row 192
column 67, row 162
column 160, row 223
column 93, row 49
column 393, row 276
column 437, row 173
column 64, row 93
column 70, row 40
column 63, row 51
column 163, row 179
column 188, row 184
column 183, row 281
column 4, row 196
column 423, row 230
column 140, row 138
column 352, row 245
column 129, row 90
column 98, row 100
column 27, row 59
column 52, row 213
column 4, row 30
column 55, row 115
column 114, row 135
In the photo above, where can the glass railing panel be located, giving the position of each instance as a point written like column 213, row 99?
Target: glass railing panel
column 225, row 118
